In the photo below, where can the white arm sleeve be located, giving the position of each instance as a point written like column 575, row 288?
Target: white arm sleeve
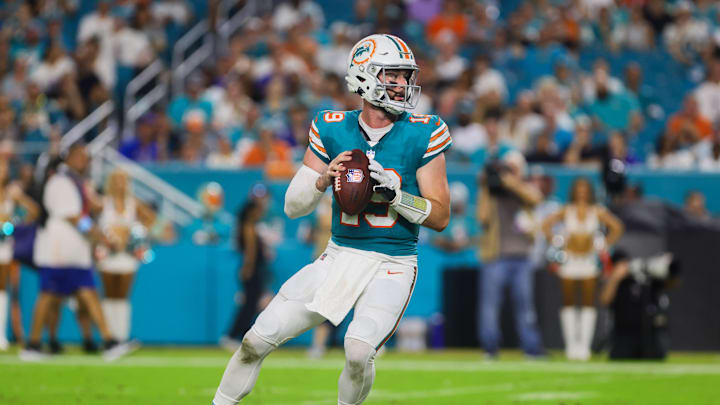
column 302, row 196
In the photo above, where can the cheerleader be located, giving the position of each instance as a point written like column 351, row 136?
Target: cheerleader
column 121, row 217
column 582, row 240
column 11, row 196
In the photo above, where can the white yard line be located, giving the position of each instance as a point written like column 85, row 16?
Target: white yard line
column 390, row 364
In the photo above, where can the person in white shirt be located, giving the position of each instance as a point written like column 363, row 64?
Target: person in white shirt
column 100, row 24
column 708, row 93
column 63, row 253
column 55, row 65
column 488, row 82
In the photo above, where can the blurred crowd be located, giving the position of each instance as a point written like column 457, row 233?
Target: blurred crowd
column 61, row 59
column 561, row 81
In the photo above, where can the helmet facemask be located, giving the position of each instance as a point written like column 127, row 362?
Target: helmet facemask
column 380, row 96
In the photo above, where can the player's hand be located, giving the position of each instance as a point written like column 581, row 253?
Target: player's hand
column 385, row 182
column 334, row 169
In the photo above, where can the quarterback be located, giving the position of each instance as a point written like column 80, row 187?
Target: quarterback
column 370, row 263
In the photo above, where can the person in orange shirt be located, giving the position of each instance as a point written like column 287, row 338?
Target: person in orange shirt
column 451, row 19
column 687, row 124
column 274, row 154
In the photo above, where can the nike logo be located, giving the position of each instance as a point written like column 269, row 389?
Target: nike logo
column 394, row 272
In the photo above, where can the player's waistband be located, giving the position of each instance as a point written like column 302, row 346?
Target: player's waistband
column 333, row 248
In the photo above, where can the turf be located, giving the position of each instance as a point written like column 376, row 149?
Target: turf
column 178, row 376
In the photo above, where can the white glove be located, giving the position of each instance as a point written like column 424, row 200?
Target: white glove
column 386, row 184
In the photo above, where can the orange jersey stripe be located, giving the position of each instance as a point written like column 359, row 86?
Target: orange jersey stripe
column 314, row 131
column 436, row 147
column 438, row 135
column 318, row 147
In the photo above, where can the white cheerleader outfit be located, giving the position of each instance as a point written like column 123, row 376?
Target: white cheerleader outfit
column 585, row 265
column 7, row 207
column 118, row 262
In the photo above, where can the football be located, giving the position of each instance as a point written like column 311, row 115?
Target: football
column 354, row 187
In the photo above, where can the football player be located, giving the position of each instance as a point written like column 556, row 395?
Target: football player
column 370, row 263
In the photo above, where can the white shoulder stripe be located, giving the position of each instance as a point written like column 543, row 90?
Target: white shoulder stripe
column 315, row 138
column 440, row 139
column 312, row 123
column 438, row 150
column 443, row 126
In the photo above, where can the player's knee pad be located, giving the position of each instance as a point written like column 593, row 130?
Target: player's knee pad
column 254, row 348
column 358, row 356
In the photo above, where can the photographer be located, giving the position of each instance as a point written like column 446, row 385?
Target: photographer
column 635, row 291
column 643, row 267
column 505, row 212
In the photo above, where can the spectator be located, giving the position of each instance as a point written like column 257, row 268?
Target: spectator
column 635, row 34
column 332, row 57
column 143, row 146
column 13, row 84
column 131, row 44
column 668, row 155
column 451, row 19
column 89, row 81
column 505, row 250
column 171, row 11
column 708, row 93
column 488, row 84
column 709, row 154
column 612, row 110
column 8, row 129
column 231, row 105
column 224, row 157
column 526, row 123
column 496, row 146
column 695, row 204
column 687, row 36
column 645, row 93
column 449, row 64
column 687, row 124
column 35, row 114
column 100, row 24
column 289, row 14
column 655, row 13
column 144, row 21
column 191, row 104
column 275, row 154
column 461, row 232
column 468, row 134
column 545, row 151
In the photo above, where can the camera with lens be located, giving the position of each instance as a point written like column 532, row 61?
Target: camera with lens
column 493, row 171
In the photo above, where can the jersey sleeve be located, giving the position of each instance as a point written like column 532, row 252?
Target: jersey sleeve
column 316, row 144
column 439, row 141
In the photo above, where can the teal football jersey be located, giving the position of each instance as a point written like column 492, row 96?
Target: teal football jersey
column 412, row 142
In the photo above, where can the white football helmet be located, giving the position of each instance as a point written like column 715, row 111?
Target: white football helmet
column 367, row 63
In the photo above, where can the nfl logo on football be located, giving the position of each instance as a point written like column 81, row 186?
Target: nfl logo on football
column 354, row 175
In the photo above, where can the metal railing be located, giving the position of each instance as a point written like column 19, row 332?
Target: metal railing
column 93, row 119
column 183, row 65
column 173, row 203
column 154, row 71
column 231, row 25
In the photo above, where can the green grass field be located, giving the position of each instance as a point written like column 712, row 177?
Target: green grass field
column 179, row 376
